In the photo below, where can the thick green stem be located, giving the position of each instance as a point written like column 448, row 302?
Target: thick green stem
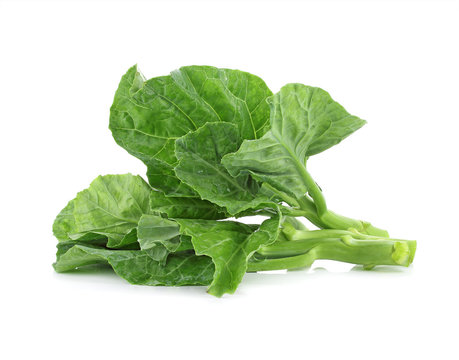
column 316, row 210
column 290, row 222
column 293, row 262
column 315, row 192
column 347, row 246
column 327, row 219
column 331, row 220
column 309, row 211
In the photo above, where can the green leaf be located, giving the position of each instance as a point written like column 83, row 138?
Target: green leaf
column 158, row 253
column 65, row 224
column 161, row 236
column 230, row 245
column 308, row 121
column 162, row 176
column 188, row 208
column 200, row 153
column 64, row 246
column 138, row 267
column 304, row 121
column 154, row 229
column 111, row 207
column 227, row 95
column 148, row 116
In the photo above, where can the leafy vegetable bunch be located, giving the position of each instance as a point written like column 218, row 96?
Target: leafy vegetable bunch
column 217, row 144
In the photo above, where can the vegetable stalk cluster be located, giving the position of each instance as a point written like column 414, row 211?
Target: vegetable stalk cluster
column 217, row 145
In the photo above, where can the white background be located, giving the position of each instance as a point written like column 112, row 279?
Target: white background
column 394, row 64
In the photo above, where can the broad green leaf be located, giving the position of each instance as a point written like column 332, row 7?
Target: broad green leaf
column 187, row 208
column 161, row 236
column 64, row 224
column 230, row 245
column 138, row 267
column 158, row 253
column 153, row 230
column 162, row 176
column 64, row 246
column 111, row 207
column 304, row 121
column 200, row 153
column 147, row 116
column 308, row 121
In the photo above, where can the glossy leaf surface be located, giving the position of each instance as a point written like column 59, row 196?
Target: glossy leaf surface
column 304, row 121
column 183, row 207
column 111, row 207
column 200, row 153
column 230, row 245
column 147, row 116
column 138, row 267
